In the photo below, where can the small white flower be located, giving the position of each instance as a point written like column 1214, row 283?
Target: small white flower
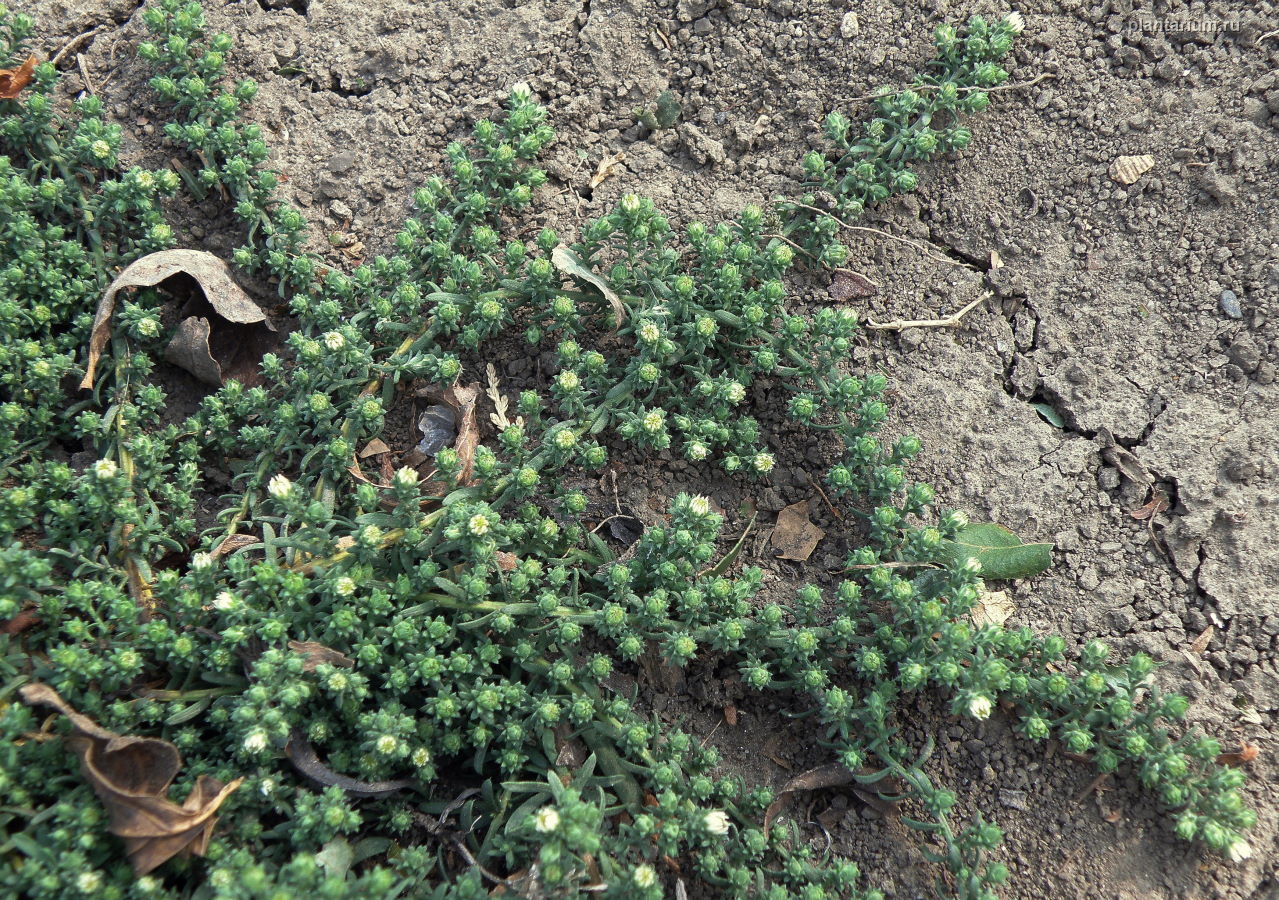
column 105, row 469
column 478, row 525
column 1015, row 22
column 224, row 601
column 763, row 462
column 334, row 340
column 644, row 877
column 201, row 561
column 972, row 564
column 267, row 787
column 736, row 392
column 387, row 744
column 405, row 477
column 279, row 487
column 716, row 821
column 100, row 149
column 345, row 586
column 421, row 756
column 979, row 707
column 699, row 506
column 546, row 819
column 1239, row 850
column 256, row 741
column 89, row 882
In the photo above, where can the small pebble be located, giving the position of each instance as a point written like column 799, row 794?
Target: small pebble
column 1230, row 304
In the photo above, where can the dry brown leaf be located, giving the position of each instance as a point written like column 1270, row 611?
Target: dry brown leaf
column 849, row 285
column 1127, row 169
column 461, row 399
column 304, row 759
column 1200, row 644
column 507, row 561
column 1247, row 753
column 829, row 775
column 19, row 623
column 795, row 537
column 606, row 168
column 1127, row 464
column 232, row 348
column 996, row 261
column 315, row 654
column 993, row 608
column 131, row 776
column 730, row 714
column 232, row 543
column 1158, row 503
column 373, row 448
column 12, row 81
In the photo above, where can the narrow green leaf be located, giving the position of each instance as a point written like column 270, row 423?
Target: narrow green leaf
column 1049, row 415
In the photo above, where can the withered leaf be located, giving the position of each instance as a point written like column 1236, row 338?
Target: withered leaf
column 235, row 327
column 373, row 448
column 232, row 543
column 571, row 264
column 606, row 168
column 1200, row 644
column 131, row 776
column 992, row 608
column 189, row 350
column 849, row 285
column 461, row 399
column 1246, row 754
column 795, row 537
column 507, row 561
column 829, row 775
column 1127, row 464
column 1158, row 503
column 12, row 81
column 305, row 760
column 19, row 623
column 315, row 654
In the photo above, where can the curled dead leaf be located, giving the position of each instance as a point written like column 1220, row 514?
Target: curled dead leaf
column 507, row 561
column 1158, row 503
column 1246, row 754
column 374, row 448
column 131, row 776
column 992, row 608
column 223, row 333
column 304, row 759
column 849, row 285
column 315, row 654
column 232, row 543
column 19, row 623
column 829, row 775
column 608, row 165
column 461, row 399
column 12, row 81
column 794, row 536
column 1200, row 644
column 571, row 264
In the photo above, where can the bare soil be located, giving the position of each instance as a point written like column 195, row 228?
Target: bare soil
column 1105, row 307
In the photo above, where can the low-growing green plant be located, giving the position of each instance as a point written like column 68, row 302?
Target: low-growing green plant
column 415, row 678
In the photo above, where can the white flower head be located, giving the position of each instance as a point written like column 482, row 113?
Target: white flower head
column 334, row 340
column 716, row 821
column 266, row 787
column 279, row 487
column 405, row 477
column 1015, row 22
column 224, row 601
column 89, row 882
column 644, row 877
column 201, row 561
column 345, row 586
column 699, row 506
column 421, row 756
column 387, row 744
column 979, row 707
column 256, row 741
column 1239, row 850
column 546, row 819
column 105, row 469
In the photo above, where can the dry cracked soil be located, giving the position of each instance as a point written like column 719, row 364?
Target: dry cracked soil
column 1125, row 350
